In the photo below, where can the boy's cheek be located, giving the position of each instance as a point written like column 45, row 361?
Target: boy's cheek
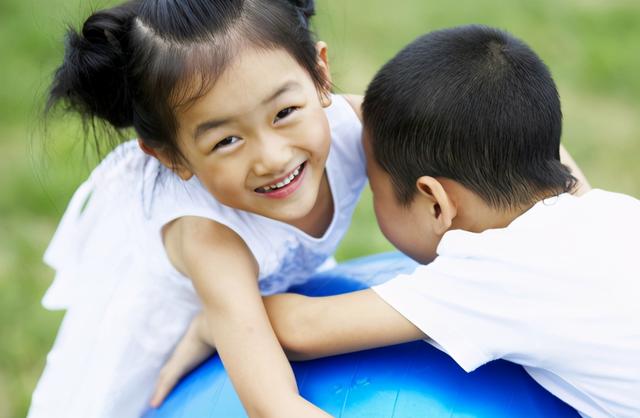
column 417, row 250
column 395, row 231
column 405, row 233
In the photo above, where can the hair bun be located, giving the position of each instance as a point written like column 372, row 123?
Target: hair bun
column 93, row 76
column 306, row 9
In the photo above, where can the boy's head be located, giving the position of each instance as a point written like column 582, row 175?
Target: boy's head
column 471, row 107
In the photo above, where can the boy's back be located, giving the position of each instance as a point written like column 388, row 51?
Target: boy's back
column 553, row 291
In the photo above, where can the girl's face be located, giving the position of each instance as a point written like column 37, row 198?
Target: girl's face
column 259, row 139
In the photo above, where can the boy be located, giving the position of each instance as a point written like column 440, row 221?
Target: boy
column 462, row 131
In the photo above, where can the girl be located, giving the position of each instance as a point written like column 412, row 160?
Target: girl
column 242, row 182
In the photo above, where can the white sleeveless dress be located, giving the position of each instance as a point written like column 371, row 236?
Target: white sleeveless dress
column 127, row 306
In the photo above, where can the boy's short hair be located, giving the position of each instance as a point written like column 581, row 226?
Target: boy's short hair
column 472, row 104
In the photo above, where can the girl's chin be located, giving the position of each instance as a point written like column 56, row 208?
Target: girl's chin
column 290, row 215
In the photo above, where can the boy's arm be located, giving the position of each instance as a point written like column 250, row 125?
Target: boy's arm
column 224, row 274
column 583, row 185
column 306, row 327
column 311, row 327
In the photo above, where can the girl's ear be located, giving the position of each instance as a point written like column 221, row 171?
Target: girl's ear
column 442, row 210
column 180, row 169
column 323, row 64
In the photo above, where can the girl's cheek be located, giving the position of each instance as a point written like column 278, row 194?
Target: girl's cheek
column 321, row 146
column 324, row 134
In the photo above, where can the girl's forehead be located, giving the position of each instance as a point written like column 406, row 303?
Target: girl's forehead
column 252, row 79
column 249, row 78
column 260, row 66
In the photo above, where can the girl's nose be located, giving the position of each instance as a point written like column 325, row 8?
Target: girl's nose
column 273, row 156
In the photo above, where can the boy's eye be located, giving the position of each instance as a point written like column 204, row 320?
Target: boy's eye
column 230, row 140
column 284, row 113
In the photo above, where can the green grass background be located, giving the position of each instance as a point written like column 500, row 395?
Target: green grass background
column 591, row 47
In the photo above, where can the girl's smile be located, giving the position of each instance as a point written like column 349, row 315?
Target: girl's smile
column 285, row 186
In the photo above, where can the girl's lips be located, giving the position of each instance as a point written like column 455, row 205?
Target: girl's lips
column 286, row 189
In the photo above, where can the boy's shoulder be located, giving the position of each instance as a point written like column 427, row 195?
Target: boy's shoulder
column 555, row 232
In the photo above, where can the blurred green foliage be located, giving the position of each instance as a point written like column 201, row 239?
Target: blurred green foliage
column 590, row 46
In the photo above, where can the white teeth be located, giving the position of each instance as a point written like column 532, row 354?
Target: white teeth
column 284, row 182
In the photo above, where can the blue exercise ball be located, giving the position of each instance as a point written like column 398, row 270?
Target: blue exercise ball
column 410, row 380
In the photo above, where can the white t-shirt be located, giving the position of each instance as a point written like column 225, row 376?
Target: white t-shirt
column 557, row 291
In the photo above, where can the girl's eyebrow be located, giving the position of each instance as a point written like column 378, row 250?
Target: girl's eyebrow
column 215, row 123
column 289, row 85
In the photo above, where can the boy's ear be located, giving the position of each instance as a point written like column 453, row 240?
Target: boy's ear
column 180, row 169
column 323, row 64
column 441, row 208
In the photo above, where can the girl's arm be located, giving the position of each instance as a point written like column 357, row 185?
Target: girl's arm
column 311, row 327
column 583, row 185
column 224, row 274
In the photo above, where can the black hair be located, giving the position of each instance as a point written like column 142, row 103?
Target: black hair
column 472, row 104
column 135, row 65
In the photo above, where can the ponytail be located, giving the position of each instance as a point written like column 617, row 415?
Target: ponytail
column 306, row 10
column 92, row 79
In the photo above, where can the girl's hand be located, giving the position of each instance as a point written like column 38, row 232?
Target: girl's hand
column 298, row 408
column 195, row 346
column 583, row 185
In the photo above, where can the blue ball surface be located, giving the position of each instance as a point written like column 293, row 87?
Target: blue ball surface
column 407, row 380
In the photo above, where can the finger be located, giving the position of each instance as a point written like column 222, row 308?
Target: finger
column 163, row 387
column 186, row 357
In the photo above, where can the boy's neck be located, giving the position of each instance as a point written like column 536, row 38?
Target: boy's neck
column 475, row 215
column 489, row 218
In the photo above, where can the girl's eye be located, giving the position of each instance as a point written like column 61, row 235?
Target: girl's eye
column 284, row 113
column 230, row 140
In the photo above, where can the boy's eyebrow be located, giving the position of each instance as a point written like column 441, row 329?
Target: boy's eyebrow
column 215, row 123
